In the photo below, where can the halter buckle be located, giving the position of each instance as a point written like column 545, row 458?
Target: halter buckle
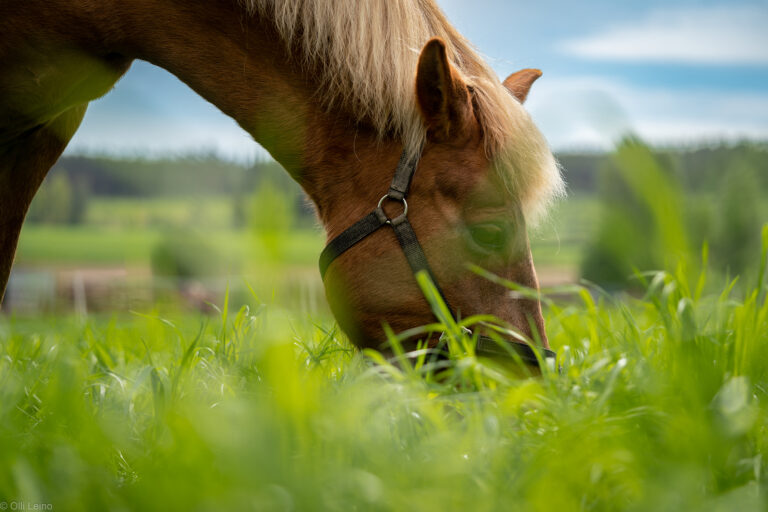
column 396, row 220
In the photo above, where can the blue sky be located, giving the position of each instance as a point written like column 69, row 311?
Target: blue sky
column 674, row 72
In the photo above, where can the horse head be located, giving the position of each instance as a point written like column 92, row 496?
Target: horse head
column 463, row 215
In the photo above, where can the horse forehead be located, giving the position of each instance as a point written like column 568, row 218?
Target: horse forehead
column 453, row 172
column 491, row 192
column 475, row 188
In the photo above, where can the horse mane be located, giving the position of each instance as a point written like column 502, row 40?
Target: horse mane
column 366, row 52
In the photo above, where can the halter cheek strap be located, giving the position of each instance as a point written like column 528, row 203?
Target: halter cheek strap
column 371, row 223
column 417, row 260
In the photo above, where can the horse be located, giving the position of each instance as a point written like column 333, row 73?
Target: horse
column 339, row 93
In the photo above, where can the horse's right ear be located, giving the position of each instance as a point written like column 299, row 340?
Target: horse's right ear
column 519, row 83
column 443, row 97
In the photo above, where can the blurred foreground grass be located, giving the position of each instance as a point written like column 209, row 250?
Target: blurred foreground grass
column 660, row 405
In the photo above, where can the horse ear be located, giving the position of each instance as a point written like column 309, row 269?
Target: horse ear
column 442, row 96
column 520, row 83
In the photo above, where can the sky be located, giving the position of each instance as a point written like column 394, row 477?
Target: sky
column 672, row 72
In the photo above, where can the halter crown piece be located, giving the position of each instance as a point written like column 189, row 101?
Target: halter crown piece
column 398, row 191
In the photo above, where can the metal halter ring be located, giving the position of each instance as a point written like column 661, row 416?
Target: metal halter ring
column 400, row 217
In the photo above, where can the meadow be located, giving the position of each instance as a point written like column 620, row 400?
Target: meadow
column 657, row 401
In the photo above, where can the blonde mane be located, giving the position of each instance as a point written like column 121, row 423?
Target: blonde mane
column 366, row 52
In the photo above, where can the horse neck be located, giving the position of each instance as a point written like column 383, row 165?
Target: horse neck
column 238, row 63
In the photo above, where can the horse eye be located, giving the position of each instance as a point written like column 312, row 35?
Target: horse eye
column 489, row 237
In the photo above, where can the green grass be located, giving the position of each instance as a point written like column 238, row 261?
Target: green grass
column 206, row 212
column 85, row 245
column 660, row 405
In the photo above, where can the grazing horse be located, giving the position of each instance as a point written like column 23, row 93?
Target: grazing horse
column 337, row 92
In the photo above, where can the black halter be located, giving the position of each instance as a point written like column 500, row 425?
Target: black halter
column 398, row 191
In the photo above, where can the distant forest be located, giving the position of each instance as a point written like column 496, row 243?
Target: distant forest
column 696, row 169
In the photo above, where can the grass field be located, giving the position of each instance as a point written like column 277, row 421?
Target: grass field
column 656, row 402
column 98, row 245
column 659, row 404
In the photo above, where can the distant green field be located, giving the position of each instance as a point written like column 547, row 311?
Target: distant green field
column 124, row 232
column 169, row 212
column 100, row 245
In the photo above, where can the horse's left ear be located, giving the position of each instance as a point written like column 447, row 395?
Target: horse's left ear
column 520, row 83
column 442, row 95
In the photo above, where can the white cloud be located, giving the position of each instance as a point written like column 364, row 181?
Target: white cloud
column 594, row 112
column 708, row 35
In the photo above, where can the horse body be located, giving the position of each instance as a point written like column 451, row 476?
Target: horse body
column 57, row 55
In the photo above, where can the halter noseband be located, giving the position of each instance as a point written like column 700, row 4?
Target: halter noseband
column 417, row 260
